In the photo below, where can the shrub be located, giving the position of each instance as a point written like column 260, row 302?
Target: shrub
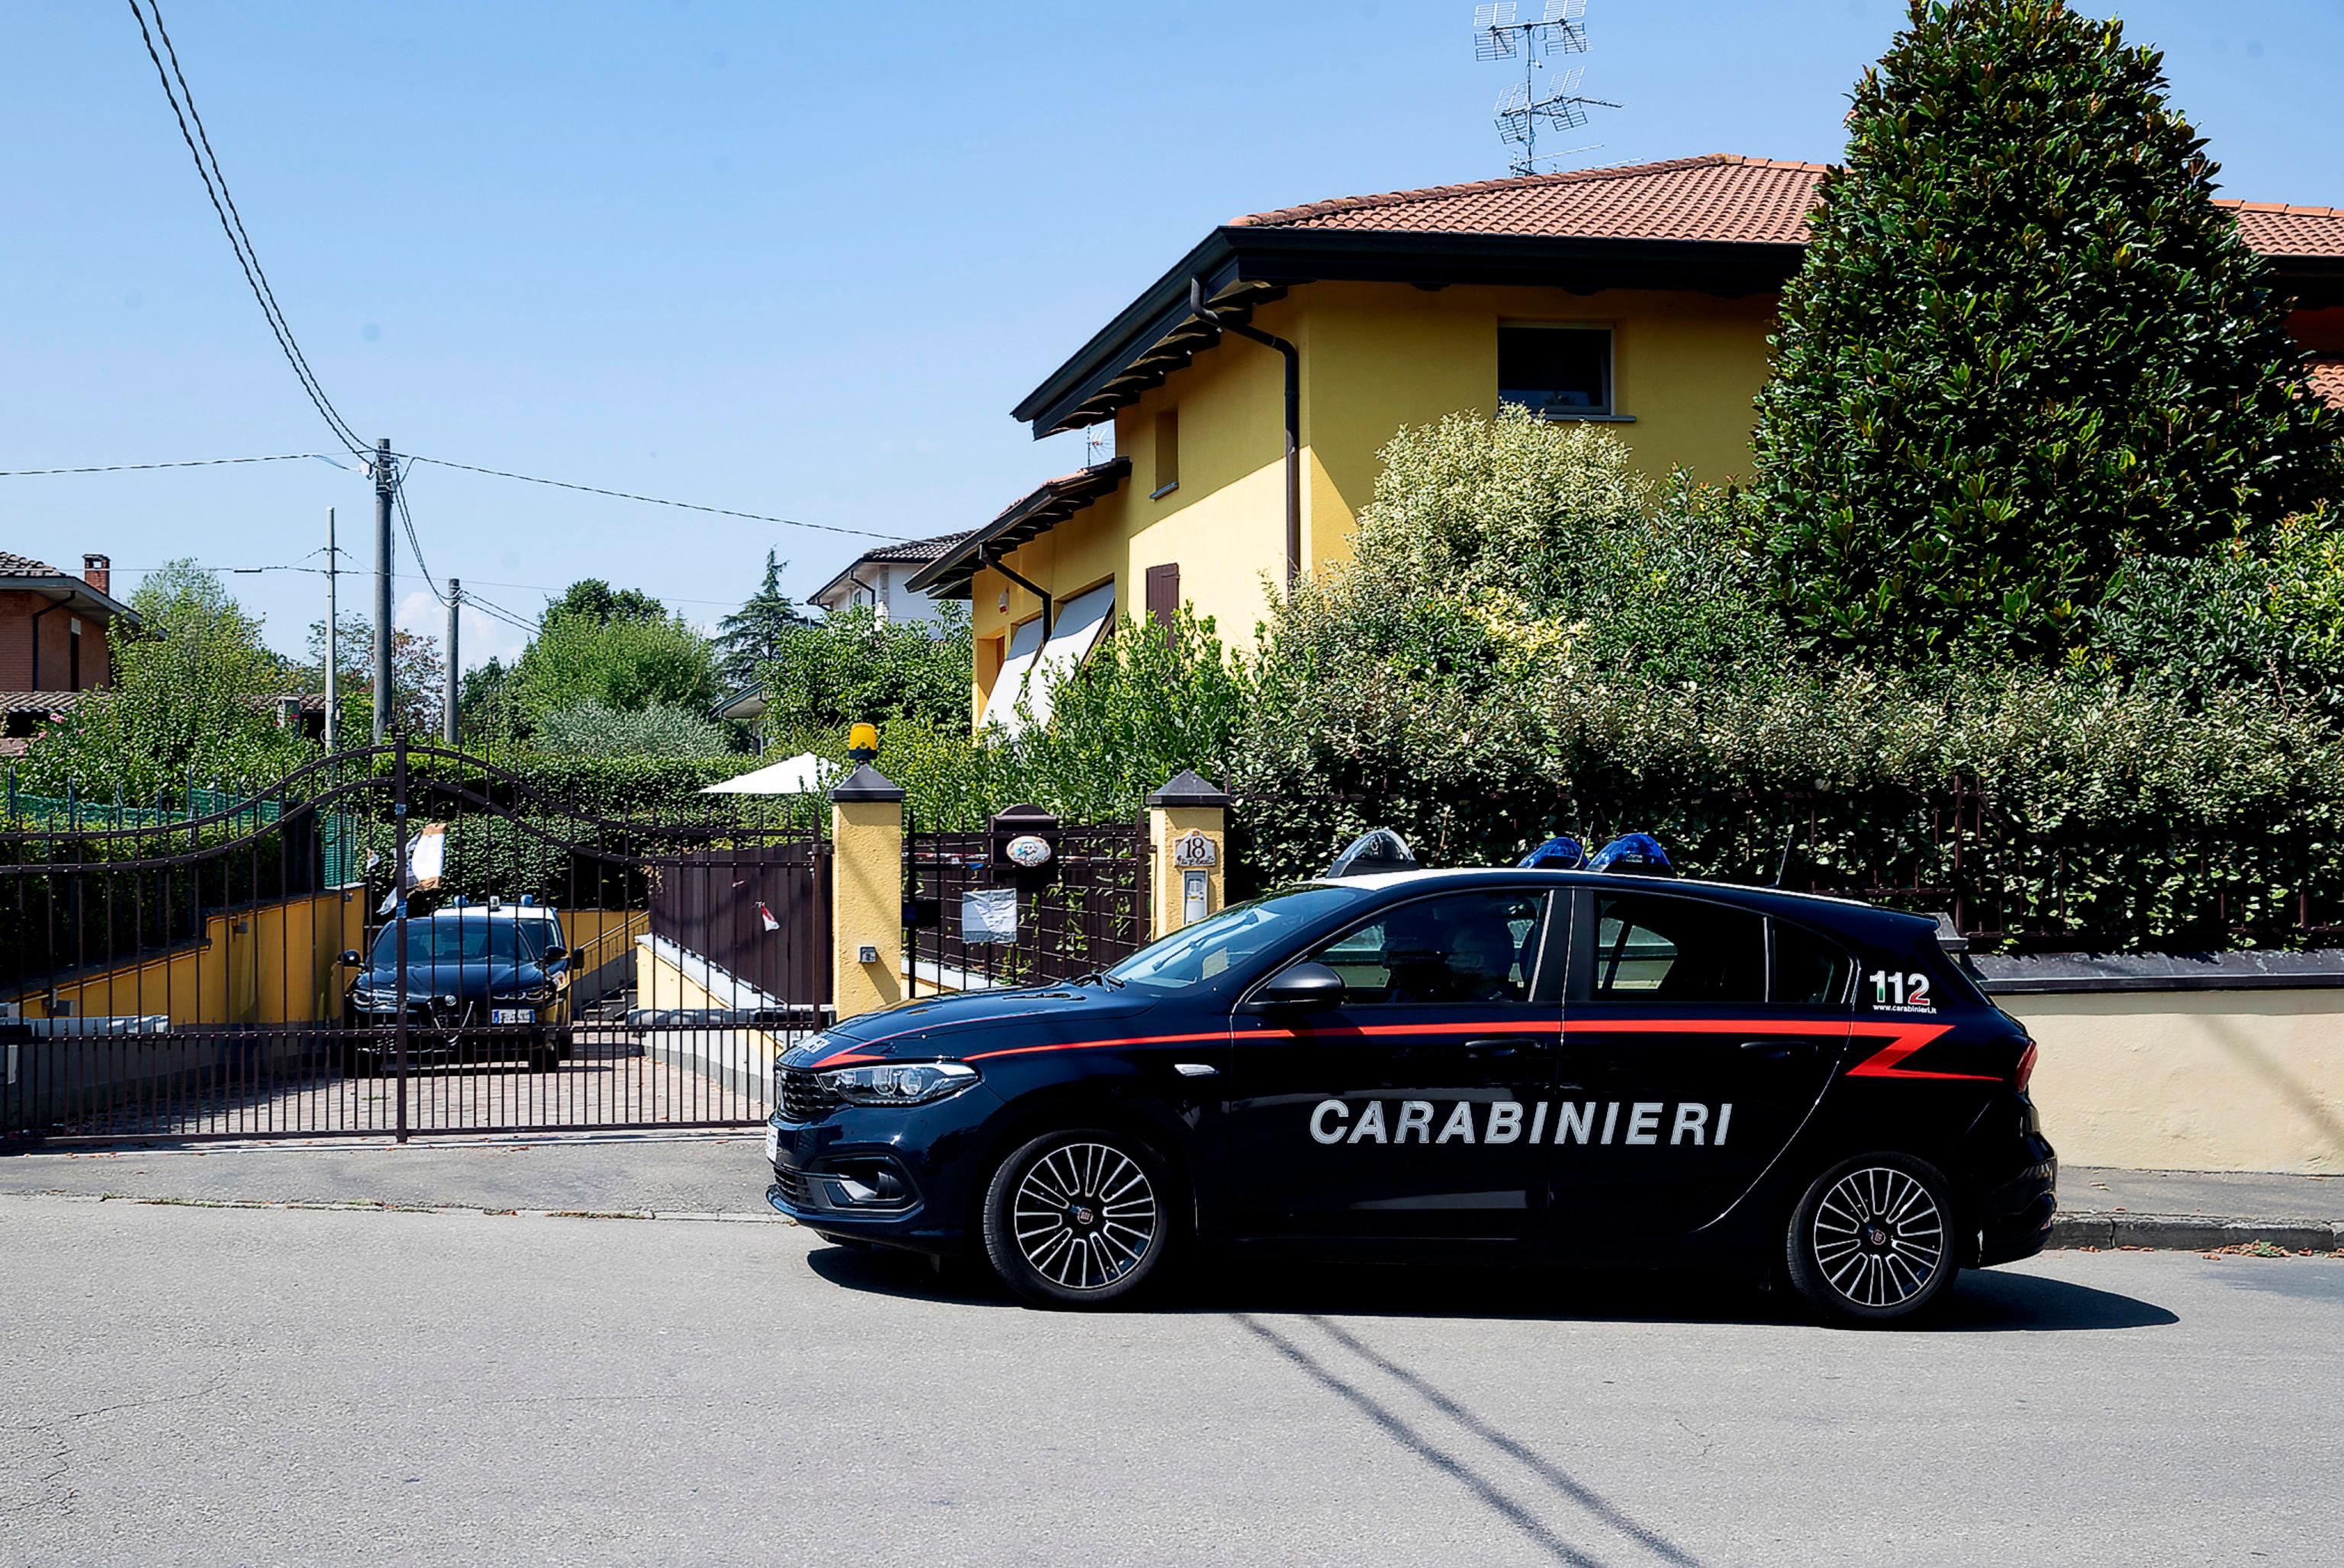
column 665, row 730
column 852, row 668
column 2023, row 342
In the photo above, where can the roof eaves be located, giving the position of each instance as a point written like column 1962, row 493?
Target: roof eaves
column 1032, row 514
column 75, row 591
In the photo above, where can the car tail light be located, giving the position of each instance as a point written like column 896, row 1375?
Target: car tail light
column 2026, row 1069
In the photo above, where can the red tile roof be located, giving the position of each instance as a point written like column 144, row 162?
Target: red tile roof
column 2324, row 377
column 1718, row 197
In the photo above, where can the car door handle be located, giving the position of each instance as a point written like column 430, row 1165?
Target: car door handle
column 1777, row 1050
column 1497, row 1048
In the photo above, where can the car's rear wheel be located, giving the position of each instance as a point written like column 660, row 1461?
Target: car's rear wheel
column 1871, row 1242
column 1079, row 1218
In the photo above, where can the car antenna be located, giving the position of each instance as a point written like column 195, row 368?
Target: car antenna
column 1782, row 866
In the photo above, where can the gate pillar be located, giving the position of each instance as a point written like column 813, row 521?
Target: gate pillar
column 1188, row 832
column 866, row 869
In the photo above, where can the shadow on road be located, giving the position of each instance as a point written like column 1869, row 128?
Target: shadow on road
column 1982, row 1301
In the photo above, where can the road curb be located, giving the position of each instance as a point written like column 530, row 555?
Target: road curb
column 2192, row 1233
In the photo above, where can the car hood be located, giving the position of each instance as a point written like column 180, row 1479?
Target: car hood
column 945, row 1028
column 470, row 982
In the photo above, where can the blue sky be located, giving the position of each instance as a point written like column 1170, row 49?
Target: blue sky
column 793, row 259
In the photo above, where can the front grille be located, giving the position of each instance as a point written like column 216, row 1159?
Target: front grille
column 793, row 1185
column 804, row 1094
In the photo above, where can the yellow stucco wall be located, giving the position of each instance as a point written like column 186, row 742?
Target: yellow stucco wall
column 2191, row 1081
column 867, row 903
column 269, row 964
column 1374, row 356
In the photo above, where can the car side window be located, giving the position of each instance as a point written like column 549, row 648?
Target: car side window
column 1460, row 947
column 1810, row 971
column 1660, row 948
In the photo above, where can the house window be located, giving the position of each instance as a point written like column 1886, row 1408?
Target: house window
column 1167, row 453
column 1556, row 372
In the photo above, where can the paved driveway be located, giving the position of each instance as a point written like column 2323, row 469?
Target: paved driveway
column 231, row 1384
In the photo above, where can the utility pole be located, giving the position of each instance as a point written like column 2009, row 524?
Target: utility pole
column 386, row 491
column 333, row 639
column 448, row 699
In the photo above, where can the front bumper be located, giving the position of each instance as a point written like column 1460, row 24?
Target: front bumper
column 901, row 1177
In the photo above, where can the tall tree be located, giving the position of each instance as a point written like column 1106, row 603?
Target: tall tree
column 417, row 676
column 2025, row 342
column 593, row 597
column 191, row 695
column 626, row 663
column 751, row 637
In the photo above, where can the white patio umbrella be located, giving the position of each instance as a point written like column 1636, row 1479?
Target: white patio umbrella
column 804, row 773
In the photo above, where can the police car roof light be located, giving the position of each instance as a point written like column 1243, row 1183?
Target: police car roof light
column 1633, row 855
column 1561, row 853
column 1379, row 849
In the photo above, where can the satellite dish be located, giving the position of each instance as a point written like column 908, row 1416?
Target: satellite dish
column 1561, row 853
column 1633, row 855
column 1379, row 849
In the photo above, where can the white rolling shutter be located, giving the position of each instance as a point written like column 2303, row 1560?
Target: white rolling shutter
column 1001, row 702
column 1075, row 631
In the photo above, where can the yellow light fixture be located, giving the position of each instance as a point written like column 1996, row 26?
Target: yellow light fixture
column 862, row 742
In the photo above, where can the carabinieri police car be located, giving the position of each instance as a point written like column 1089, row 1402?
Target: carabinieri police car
column 1569, row 1065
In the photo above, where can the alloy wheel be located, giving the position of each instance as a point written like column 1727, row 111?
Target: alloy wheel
column 1878, row 1236
column 1085, row 1215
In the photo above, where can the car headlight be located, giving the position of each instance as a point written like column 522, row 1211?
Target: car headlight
column 888, row 1083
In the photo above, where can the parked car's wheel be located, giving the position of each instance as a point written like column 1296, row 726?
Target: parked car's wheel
column 1079, row 1218
column 544, row 1053
column 358, row 1062
column 1871, row 1242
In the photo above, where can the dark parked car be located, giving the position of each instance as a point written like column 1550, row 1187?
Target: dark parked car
column 484, row 982
column 1616, row 1070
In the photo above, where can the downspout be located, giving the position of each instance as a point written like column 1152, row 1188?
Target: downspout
column 1293, row 357
column 874, row 593
column 54, row 605
column 994, row 562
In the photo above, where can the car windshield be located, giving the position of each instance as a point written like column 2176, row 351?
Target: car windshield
column 452, row 939
column 1213, row 946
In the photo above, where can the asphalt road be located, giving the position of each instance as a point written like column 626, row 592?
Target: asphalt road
column 201, row 1384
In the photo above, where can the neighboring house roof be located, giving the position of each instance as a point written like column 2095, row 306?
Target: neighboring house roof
column 1722, row 223
column 39, row 701
column 1036, row 512
column 745, row 706
column 2324, row 377
column 909, row 551
column 24, row 573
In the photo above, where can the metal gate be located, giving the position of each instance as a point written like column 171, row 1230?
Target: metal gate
column 1088, row 912
column 404, row 940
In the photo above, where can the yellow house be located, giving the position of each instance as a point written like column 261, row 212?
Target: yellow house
column 1252, row 385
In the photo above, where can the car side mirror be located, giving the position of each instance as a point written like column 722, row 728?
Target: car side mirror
column 350, row 957
column 556, row 954
column 1305, row 985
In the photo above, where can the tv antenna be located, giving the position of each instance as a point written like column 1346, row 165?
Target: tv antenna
column 1528, row 105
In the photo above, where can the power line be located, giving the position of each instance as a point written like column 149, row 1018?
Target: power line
column 649, row 500
column 413, row 543
column 247, row 260
column 184, row 463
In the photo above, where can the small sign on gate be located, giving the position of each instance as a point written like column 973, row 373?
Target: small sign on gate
column 989, row 915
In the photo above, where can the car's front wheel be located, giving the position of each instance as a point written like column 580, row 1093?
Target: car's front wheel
column 1871, row 1241
column 1079, row 1218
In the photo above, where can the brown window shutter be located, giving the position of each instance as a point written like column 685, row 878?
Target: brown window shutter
column 1163, row 592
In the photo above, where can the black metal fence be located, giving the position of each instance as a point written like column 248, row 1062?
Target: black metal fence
column 229, row 975
column 1087, row 910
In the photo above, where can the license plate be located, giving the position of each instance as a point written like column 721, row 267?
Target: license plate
column 511, row 1016
column 772, row 1145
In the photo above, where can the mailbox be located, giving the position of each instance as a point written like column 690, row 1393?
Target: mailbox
column 1026, row 844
